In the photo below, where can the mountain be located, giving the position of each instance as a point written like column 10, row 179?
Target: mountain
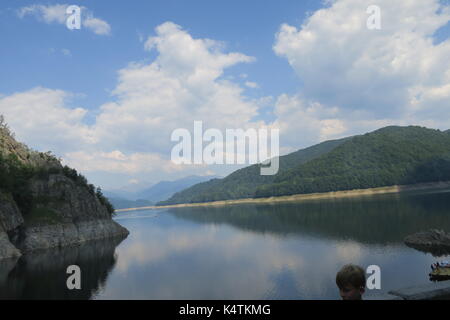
column 120, row 194
column 149, row 196
column 388, row 156
column 120, row 203
column 244, row 182
column 385, row 157
column 124, row 200
column 165, row 189
column 44, row 204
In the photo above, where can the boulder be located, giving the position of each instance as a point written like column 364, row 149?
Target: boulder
column 436, row 242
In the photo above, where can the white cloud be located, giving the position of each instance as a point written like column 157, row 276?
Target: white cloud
column 117, row 162
column 182, row 85
column 131, row 134
column 306, row 123
column 96, row 25
column 41, row 118
column 396, row 74
column 251, row 84
column 48, row 14
column 57, row 14
column 194, row 60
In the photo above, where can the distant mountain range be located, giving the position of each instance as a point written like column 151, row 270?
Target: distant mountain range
column 149, row 196
column 388, row 156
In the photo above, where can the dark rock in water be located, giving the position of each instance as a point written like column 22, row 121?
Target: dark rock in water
column 436, row 242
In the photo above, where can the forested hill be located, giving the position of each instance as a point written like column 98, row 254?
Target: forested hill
column 388, row 156
column 243, row 183
column 385, row 157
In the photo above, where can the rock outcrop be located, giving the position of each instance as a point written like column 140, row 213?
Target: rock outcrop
column 436, row 242
column 10, row 220
column 45, row 205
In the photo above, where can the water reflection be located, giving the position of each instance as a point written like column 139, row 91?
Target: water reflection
column 289, row 251
column 42, row 275
column 381, row 219
column 283, row 251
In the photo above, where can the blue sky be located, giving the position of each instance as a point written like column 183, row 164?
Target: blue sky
column 106, row 98
column 34, row 58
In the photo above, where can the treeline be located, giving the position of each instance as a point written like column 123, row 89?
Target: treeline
column 14, row 178
column 82, row 181
column 388, row 156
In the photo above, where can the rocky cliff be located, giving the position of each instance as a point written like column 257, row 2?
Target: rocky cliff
column 44, row 204
column 10, row 219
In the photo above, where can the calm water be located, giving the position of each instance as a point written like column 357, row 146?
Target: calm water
column 283, row 251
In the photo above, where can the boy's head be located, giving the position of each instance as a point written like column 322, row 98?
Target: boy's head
column 351, row 281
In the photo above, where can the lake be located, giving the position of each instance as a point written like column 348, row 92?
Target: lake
column 280, row 251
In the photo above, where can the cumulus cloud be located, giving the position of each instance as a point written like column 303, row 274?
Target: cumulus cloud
column 117, row 162
column 181, row 85
column 393, row 75
column 41, row 118
column 303, row 122
column 57, row 14
column 132, row 133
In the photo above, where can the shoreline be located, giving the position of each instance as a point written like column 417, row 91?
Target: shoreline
column 303, row 197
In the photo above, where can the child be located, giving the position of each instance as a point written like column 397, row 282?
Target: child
column 351, row 281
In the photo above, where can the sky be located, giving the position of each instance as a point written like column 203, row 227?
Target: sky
column 107, row 97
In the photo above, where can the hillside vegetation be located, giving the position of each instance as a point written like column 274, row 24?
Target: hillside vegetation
column 244, row 182
column 19, row 165
column 388, row 156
